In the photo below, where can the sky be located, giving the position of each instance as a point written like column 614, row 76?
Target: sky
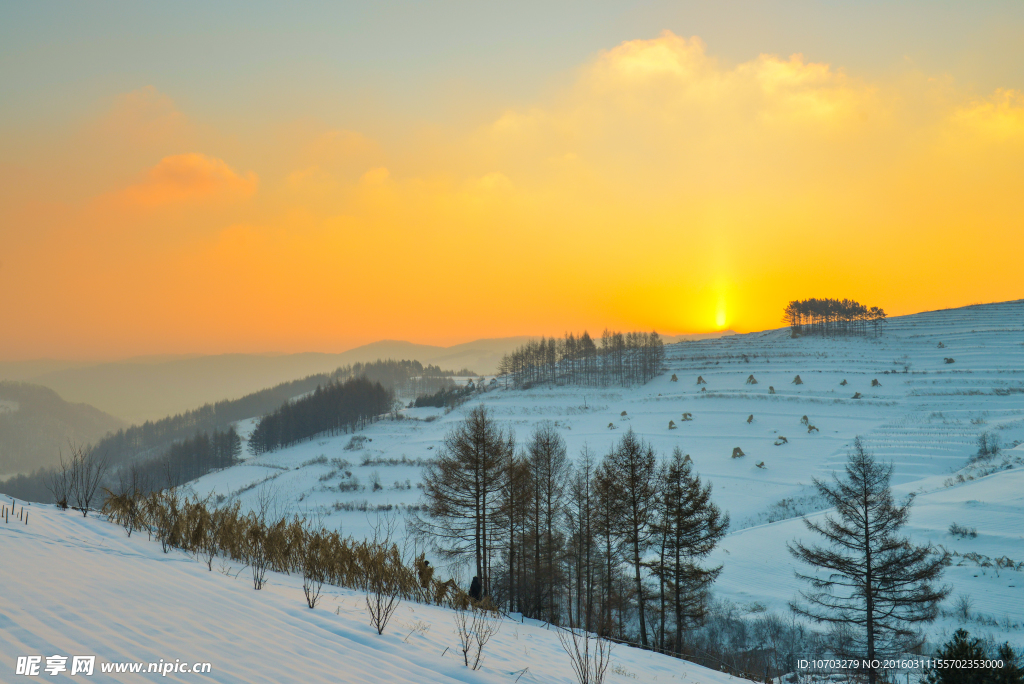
column 256, row 177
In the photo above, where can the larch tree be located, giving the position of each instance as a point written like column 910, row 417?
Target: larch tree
column 689, row 526
column 462, row 489
column 632, row 468
column 875, row 584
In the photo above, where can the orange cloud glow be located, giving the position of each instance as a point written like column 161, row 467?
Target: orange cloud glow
column 660, row 189
column 187, row 178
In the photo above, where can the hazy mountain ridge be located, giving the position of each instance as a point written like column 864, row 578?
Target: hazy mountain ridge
column 36, row 423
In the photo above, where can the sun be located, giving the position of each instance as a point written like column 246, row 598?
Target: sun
column 720, row 314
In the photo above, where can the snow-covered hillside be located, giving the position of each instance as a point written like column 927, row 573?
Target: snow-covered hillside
column 77, row 586
column 925, row 415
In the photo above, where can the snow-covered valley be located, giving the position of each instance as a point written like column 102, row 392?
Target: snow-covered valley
column 77, row 585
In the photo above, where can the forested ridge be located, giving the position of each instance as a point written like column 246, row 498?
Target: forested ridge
column 615, row 359
column 832, row 317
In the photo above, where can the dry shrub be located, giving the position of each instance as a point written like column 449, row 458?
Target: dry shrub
column 588, row 653
column 475, row 626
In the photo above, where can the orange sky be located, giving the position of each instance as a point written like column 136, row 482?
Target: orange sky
column 654, row 185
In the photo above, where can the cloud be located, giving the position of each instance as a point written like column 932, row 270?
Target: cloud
column 143, row 117
column 185, row 178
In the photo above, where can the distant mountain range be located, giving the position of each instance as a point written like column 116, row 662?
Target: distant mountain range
column 149, row 388
column 36, row 424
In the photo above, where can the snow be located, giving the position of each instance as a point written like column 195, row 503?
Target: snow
column 925, row 421
column 79, row 586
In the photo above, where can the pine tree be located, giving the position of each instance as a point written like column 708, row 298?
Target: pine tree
column 463, row 488
column 632, row 469
column 963, row 647
column 876, row 583
column 691, row 526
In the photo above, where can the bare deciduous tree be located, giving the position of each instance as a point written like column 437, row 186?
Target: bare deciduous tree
column 86, row 471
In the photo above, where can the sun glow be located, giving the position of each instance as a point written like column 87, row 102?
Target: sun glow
column 720, row 314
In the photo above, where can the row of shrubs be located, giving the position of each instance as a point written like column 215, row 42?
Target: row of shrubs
column 297, row 546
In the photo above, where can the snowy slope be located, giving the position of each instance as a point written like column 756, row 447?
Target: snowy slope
column 78, row 586
column 926, row 421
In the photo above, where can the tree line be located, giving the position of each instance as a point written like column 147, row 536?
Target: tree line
column 616, row 359
column 407, row 378
column 334, row 408
column 609, row 545
column 175, row 447
column 832, row 317
column 618, row 545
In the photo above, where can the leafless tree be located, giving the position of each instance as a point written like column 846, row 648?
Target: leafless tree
column 86, row 472
column 589, row 654
column 383, row 587
column 59, row 483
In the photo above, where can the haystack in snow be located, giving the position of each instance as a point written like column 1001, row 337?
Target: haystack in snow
column 671, row 425
column 751, row 380
column 875, row 383
column 674, row 378
column 856, row 395
column 771, row 389
column 797, row 381
column 737, row 452
column 700, row 380
column 750, row 419
column 687, row 416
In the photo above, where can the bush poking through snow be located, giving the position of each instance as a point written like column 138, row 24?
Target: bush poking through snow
column 588, row 653
column 962, row 532
column 781, row 440
column 949, row 359
column 700, row 380
column 988, row 445
column 671, row 425
column 750, row 419
column 762, row 466
column 797, row 380
column 737, row 452
column 811, row 428
column 843, row 383
column 751, row 380
column 771, row 389
column 857, row 395
column 686, row 417
column 805, row 420
column 475, row 625
column 674, row 378
column 314, row 566
column 875, row 383
column 623, row 414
